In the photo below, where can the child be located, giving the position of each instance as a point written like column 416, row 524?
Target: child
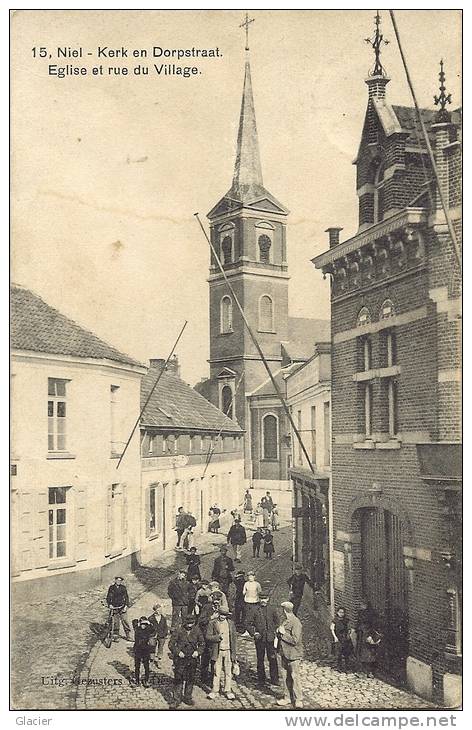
column 268, row 544
column 342, row 644
column 256, row 543
column 193, row 564
column 274, row 517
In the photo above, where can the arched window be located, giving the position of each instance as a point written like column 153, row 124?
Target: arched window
column 379, row 196
column 226, row 315
column 270, row 437
column 387, row 309
column 227, row 249
column 227, row 401
column 363, row 317
column 264, row 249
column 266, row 314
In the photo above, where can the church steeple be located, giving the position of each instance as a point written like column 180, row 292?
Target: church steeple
column 247, row 168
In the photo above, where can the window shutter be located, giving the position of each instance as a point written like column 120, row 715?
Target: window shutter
column 108, row 522
column 80, row 523
column 41, row 536
column 147, row 511
column 125, row 517
column 26, row 531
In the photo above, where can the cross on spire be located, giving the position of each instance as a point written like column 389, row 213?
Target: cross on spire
column 376, row 42
column 443, row 98
column 245, row 24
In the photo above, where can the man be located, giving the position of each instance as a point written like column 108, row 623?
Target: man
column 179, row 525
column 118, row 602
column 237, row 538
column 290, row 646
column 208, row 612
column 238, row 611
column 186, row 645
column 223, row 569
column 296, row 584
column 251, row 591
column 263, row 628
column 269, row 502
column 160, row 632
column 143, row 631
column 178, row 592
column 222, row 637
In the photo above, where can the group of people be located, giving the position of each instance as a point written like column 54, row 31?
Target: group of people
column 356, row 647
column 265, row 515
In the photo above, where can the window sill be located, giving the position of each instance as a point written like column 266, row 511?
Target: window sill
column 62, row 563
column 114, row 455
column 267, row 332
column 60, row 455
column 392, row 443
column 367, row 444
column 154, row 536
column 269, row 461
column 224, row 334
column 386, row 372
column 114, row 554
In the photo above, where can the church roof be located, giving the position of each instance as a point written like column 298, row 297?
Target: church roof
column 305, row 333
column 38, row 327
column 175, row 404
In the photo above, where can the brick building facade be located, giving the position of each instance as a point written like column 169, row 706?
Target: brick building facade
column 396, row 424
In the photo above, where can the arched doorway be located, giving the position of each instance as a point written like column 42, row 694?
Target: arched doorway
column 384, row 580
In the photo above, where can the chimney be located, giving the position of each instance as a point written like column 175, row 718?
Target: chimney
column 333, row 236
column 376, row 85
column 157, row 363
column 173, row 366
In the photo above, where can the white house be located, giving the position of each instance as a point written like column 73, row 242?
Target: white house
column 74, row 402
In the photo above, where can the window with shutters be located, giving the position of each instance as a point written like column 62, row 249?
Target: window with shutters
column 117, row 517
column 270, row 428
column 266, row 314
column 227, row 401
column 227, row 250
column 57, row 414
column 58, row 522
column 226, row 315
column 152, row 444
column 453, row 626
column 264, row 249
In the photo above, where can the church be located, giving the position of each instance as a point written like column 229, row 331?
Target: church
column 248, row 229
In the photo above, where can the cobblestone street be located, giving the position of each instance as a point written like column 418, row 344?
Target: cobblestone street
column 66, row 648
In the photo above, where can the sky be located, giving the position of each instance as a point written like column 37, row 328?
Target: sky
column 107, row 171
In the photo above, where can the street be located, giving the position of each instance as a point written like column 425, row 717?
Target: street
column 59, row 662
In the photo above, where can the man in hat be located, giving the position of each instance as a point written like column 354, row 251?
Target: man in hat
column 296, row 583
column 290, row 646
column 263, row 628
column 186, row 646
column 118, row 602
column 143, row 631
column 222, row 638
column 237, row 538
column 208, row 612
column 223, row 569
column 238, row 611
column 160, row 632
column 178, row 592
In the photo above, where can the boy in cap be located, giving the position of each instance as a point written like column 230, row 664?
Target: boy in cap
column 296, row 583
column 160, row 632
column 222, row 638
column 290, row 646
column 178, row 592
column 118, row 602
column 143, row 631
column 223, row 569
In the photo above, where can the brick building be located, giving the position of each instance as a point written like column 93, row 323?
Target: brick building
column 248, row 231
column 396, row 423
column 179, row 428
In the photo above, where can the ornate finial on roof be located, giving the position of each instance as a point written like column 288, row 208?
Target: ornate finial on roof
column 376, row 43
column 245, row 25
column 443, row 115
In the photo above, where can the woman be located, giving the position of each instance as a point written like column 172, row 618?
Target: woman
column 342, row 644
column 258, row 515
column 265, row 516
column 247, row 504
column 214, row 515
column 274, row 518
column 268, row 544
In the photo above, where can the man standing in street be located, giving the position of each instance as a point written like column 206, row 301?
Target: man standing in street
column 186, row 645
column 263, row 627
column 237, row 538
column 118, row 602
column 290, row 646
column 296, row 584
column 178, row 592
column 238, row 611
column 160, row 631
column 222, row 637
column 143, row 631
column 223, row 569
column 180, row 524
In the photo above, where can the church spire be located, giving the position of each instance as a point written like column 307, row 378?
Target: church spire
column 247, row 169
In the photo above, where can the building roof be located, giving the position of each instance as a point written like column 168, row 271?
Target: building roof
column 305, row 333
column 38, row 327
column 175, row 404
